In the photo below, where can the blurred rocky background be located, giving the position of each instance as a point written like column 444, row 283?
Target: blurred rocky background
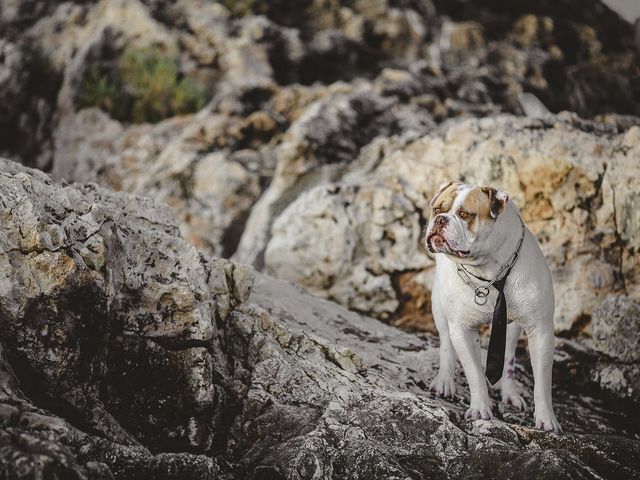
column 185, row 142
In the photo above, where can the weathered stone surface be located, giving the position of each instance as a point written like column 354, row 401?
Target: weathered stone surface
column 125, row 352
column 415, row 63
column 614, row 333
column 351, row 396
column 319, row 146
column 615, row 326
column 321, row 137
column 212, row 192
column 369, row 227
column 98, row 291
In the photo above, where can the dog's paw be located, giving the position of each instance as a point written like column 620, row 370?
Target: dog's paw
column 546, row 420
column 479, row 410
column 511, row 397
column 478, row 413
column 444, row 386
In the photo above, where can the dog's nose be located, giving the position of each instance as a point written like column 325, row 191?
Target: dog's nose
column 440, row 221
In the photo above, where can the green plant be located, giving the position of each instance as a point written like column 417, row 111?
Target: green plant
column 153, row 80
column 98, row 90
column 240, row 8
column 144, row 87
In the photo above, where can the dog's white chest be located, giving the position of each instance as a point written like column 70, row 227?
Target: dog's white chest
column 458, row 300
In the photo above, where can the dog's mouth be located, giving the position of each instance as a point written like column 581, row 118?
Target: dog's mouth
column 437, row 243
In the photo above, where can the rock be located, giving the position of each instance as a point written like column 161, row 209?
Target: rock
column 97, row 292
column 355, row 421
column 213, row 192
column 147, row 359
column 35, row 443
column 458, row 38
column 614, row 326
column 319, row 146
column 128, row 353
column 620, row 381
column 15, row 15
column 365, row 230
column 247, row 52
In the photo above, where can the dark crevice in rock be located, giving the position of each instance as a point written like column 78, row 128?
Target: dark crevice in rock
column 232, row 235
column 28, row 103
column 578, row 328
column 176, row 343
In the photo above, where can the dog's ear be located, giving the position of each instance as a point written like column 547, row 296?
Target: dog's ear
column 497, row 200
column 442, row 188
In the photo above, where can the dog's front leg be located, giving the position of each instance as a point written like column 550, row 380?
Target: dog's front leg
column 444, row 383
column 466, row 342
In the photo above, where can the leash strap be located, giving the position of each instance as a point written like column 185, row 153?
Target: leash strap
column 498, row 338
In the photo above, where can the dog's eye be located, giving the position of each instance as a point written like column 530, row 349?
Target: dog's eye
column 437, row 210
column 464, row 215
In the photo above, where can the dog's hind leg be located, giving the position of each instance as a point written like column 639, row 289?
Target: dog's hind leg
column 541, row 346
column 508, row 384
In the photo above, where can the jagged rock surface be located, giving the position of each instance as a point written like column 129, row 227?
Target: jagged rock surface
column 109, row 317
column 125, row 354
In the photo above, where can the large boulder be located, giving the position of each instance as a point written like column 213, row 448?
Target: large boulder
column 614, row 333
column 327, row 392
column 319, row 146
column 212, row 191
column 107, row 312
column 615, row 324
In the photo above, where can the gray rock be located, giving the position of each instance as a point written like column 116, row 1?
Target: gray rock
column 319, row 147
column 350, row 393
column 620, row 381
column 148, row 360
column 97, row 291
column 615, row 327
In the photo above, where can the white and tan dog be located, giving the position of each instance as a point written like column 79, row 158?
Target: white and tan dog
column 479, row 228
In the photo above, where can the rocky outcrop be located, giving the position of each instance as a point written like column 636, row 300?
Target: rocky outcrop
column 126, row 354
column 319, row 146
column 349, row 229
column 615, row 323
column 109, row 315
column 28, row 94
column 129, row 350
column 212, row 191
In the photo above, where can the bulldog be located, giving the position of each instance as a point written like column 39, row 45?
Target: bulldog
column 489, row 270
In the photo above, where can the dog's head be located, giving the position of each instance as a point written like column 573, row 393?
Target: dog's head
column 463, row 218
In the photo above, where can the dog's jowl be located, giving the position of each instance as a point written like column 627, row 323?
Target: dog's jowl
column 489, row 270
